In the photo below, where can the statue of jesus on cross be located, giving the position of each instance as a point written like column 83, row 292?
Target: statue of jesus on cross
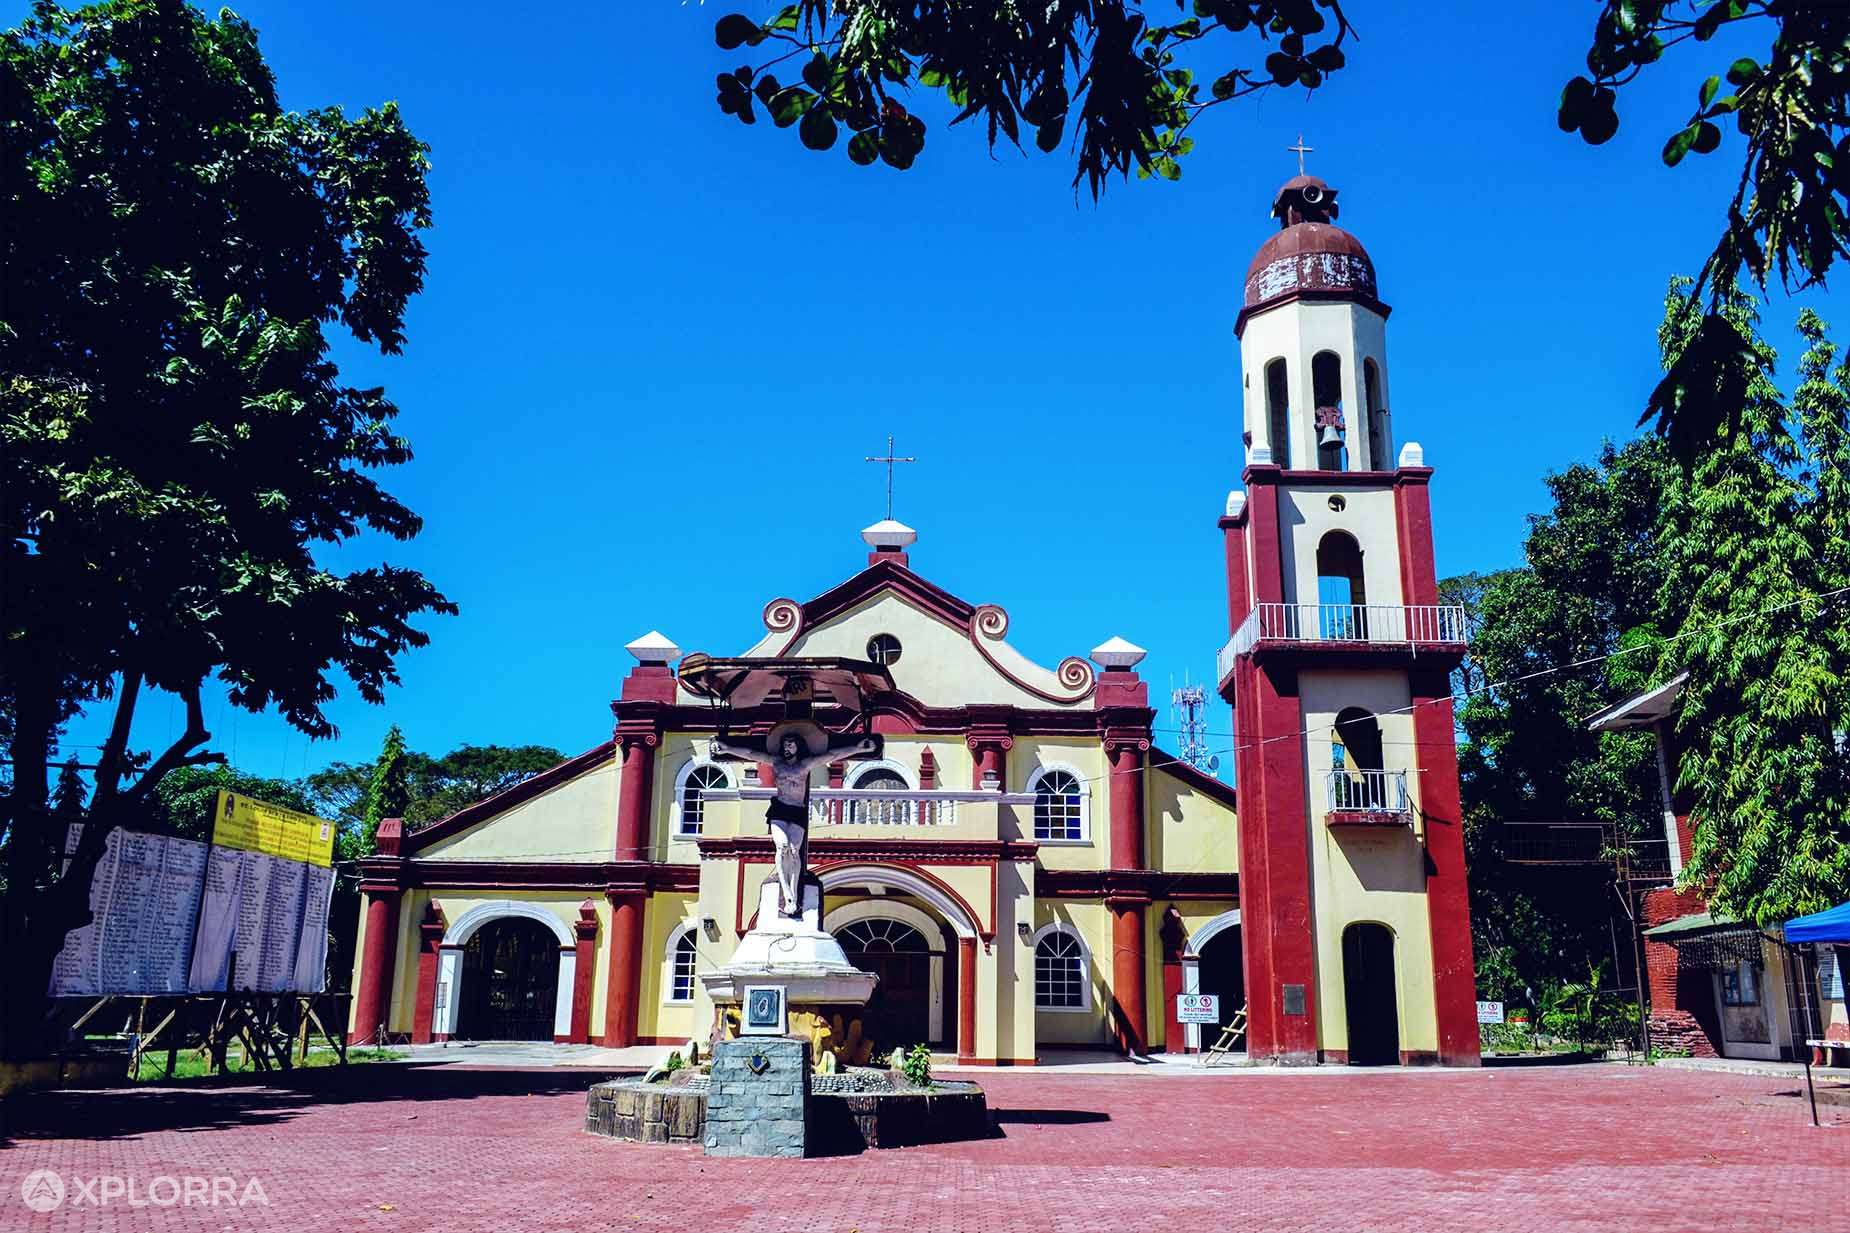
column 792, row 750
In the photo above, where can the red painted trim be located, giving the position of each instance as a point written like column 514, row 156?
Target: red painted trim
column 912, row 715
column 1448, row 904
column 587, row 876
column 1146, row 884
column 902, row 852
column 623, row 993
column 373, row 1000
column 1174, row 937
column 1324, row 295
column 505, row 800
column 584, row 972
column 1000, row 1061
column 966, row 1000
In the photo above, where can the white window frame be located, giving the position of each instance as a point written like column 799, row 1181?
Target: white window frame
column 1085, row 974
column 684, row 929
column 1085, row 804
column 858, row 771
column 676, row 829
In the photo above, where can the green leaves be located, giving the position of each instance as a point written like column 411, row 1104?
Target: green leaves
column 735, row 30
column 1008, row 66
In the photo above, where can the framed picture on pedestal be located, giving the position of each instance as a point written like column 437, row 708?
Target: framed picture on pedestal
column 762, row 1013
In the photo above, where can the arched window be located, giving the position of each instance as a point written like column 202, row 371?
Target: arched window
column 880, row 935
column 1378, row 459
column 695, row 778
column 1342, row 597
column 880, row 780
column 678, row 964
column 1278, row 412
column 1059, row 805
column 1356, row 750
column 1326, row 384
column 1061, row 980
column 1359, row 734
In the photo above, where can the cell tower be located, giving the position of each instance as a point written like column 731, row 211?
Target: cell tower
column 1188, row 704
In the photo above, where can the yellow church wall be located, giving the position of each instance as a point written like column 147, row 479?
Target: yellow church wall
column 572, row 822
column 1362, row 876
column 938, row 665
column 672, row 756
column 1368, row 516
column 1091, row 920
column 1086, row 758
column 401, row 1004
column 1188, row 830
column 665, row 912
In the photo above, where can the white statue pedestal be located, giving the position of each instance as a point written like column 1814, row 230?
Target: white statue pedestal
column 794, row 953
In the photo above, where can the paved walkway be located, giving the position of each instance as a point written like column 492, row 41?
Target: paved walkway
column 409, row 1148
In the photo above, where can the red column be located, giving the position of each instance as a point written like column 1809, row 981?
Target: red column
column 1419, row 583
column 625, row 992
column 1174, row 936
column 966, row 1000
column 1448, row 905
column 372, row 1002
column 1233, row 534
column 430, row 941
column 989, row 744
column 584, row 972
column 1276, row 932
column 1127, row 984
column 634, row 795
column 1127, row 771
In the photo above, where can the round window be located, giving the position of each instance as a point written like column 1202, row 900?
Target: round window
column 1337, row 504
column 883, row 649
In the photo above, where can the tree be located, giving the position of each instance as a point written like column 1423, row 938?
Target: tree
column 1589, row 587
column 185, row 801
column 176, row 441
column 1121, row 89
column 1758, row 559
column 387, row 795
column 470, row 773
column 1792, row 108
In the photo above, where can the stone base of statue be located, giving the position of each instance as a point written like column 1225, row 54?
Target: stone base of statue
column 791, row 952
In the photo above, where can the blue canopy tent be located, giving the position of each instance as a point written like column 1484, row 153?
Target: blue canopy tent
column 1829, row 926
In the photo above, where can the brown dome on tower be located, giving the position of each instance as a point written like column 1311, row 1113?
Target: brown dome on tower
column 1310, row 258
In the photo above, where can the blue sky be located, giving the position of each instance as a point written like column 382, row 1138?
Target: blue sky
column 655, row 345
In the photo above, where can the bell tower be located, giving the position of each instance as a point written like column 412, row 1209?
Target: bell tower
column 1354, row 917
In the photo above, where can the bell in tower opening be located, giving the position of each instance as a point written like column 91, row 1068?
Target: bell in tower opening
column 1313, row 342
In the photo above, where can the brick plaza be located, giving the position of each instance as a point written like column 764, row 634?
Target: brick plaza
column 408, row 1148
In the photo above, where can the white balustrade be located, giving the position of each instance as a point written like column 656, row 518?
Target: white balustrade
column 1379, row 792
column 1369, row 623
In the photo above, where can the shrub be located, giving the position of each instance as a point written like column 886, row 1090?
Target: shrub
column 915, row 1064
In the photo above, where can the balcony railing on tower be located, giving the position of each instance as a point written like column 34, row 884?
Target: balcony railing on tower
column 1376, row 624
column 1368, row 798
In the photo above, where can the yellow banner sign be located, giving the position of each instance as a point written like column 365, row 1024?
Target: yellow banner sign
column 258, row 827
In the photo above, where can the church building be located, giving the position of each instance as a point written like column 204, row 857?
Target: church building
column 1024, row 868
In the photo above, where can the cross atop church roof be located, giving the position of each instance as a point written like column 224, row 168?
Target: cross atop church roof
column 889, row 459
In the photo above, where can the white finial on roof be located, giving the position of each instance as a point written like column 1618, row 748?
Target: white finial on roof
column 1116, row 653
column 889, row 535
column 653, row 648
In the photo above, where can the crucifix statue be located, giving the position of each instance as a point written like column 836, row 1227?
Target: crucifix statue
column 793, row 749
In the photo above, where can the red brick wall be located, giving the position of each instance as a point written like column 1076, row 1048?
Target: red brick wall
column 1682, row 1017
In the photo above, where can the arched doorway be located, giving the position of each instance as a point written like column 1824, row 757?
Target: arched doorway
column 1342, row 593
column 899, row 1013
column 510, row 981
column 1215, row 963
column 1373, row 1010
column 1223, row 973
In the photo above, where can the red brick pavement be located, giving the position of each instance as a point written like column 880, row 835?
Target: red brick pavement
column 403, row 1149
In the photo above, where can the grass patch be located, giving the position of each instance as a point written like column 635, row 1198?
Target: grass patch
column 192, row 1064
